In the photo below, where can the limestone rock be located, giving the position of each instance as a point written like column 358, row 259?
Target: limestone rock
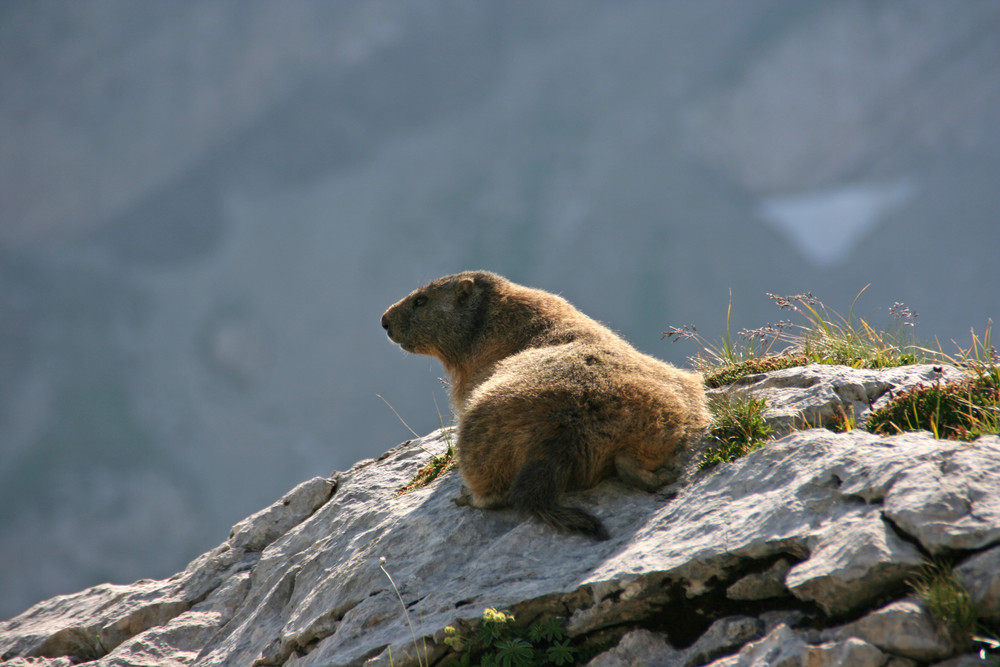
column 818, row 394
column 851, row 558
column 784, row 647
column 761, row 585
column 171, row 617
column 722, row 637
column 816, row 530
column 87, row 624
column 642, row 648
column 256, row 532
column 639, row 648
column 901, row 628
column 950, row 504
column 968, row 660
column 979, row 575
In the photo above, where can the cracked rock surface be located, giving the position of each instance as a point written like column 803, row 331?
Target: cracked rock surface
column 797, row 554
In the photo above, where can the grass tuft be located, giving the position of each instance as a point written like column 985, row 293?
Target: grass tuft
column 949, row 603
column 753, row 366
column 823, row 336
column 738, row 428
column 830, row 338
column 962, row 410
column 438, row 466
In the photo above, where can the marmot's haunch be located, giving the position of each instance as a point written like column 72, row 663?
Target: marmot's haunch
column 547, row 399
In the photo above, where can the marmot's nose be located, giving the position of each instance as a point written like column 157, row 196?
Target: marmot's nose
column 385, row 323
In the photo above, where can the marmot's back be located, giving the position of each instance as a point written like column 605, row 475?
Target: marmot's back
column 547, row 398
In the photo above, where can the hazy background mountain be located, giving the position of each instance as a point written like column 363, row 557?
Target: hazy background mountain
column 205, row 207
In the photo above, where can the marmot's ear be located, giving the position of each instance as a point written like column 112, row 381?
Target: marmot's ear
column 464, row 288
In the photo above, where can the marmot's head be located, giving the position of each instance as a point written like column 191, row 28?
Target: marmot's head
column 444, row 318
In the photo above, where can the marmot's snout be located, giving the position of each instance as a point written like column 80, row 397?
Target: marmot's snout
column 394, row 327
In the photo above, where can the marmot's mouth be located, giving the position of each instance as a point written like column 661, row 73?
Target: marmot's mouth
column 388, row 333
column 405, row 346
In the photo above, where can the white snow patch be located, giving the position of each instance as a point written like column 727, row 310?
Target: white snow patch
column 825, row 226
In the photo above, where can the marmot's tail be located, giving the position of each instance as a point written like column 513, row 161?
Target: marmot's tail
column 543, row 478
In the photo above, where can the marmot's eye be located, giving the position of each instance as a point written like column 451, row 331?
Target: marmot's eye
column 419, row 301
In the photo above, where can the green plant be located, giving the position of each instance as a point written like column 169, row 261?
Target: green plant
column 979, row 357
column 962, row 410
column 947, row 601
column 951, row 606
column 844, row 421
column 497, row 641
column 830, row 338
column 738, row 428
column 438, row 465
column 729, row 374
column 727, row 352
column 435, row 468
column 824, row 337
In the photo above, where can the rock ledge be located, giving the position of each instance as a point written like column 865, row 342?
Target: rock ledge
column 797, row 554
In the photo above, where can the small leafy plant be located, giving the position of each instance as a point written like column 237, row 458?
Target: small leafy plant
column 961, row 410
column 428, row 473
column 438, row 465
column 498, row 642
column 738, row 428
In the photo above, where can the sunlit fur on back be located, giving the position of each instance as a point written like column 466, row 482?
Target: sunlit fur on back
column 547, row 398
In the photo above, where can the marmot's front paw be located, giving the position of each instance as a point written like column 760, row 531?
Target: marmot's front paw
column 464, row 498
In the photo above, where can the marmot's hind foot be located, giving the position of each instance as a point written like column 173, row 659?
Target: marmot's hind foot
column 572, row 519
column 467, row 498
column 632, row 473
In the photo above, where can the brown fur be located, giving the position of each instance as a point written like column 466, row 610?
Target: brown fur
column 547, row 398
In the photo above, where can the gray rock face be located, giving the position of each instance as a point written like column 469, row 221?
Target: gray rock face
column 901, row 628
column 784, row 647
column 738, row 565
column 979, row 575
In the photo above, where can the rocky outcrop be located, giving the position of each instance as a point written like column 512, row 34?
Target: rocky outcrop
column 796, row 554
column 817, row 395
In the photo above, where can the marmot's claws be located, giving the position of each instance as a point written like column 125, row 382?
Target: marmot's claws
column 464, row 498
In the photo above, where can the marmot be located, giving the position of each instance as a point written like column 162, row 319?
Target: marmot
column 547, row 399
